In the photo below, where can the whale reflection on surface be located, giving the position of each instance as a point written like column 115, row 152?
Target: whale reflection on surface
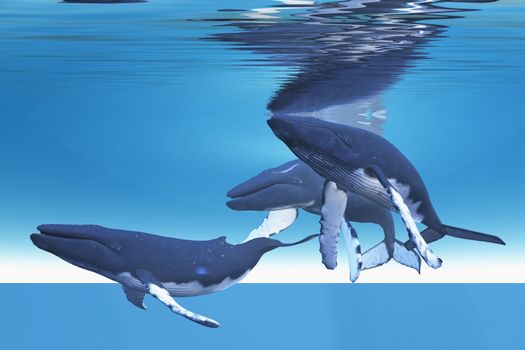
column 343, row 55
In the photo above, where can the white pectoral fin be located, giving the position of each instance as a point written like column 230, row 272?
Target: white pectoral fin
column 164, row 297
column 422, row 247
column 376, row 256
column 154, row 287
column 353, row 250
column 406, row 257
column 397, row 201
column 332, row 215
column 275, row 222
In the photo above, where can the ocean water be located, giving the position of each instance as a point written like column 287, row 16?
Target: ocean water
column 269, row 316
column 143, row 115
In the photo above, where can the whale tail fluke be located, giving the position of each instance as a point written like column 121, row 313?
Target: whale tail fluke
column 431, row 235
column 376, row 256
column 406, row 257
column 380, row 255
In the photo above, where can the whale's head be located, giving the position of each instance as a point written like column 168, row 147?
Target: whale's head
column 290, row 185
column 322, row 145
column 86, row 246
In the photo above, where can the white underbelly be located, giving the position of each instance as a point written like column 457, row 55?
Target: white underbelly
column 196, row 288
column 185, row 289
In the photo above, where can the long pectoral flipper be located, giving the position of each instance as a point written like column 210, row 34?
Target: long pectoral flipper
column 353, row 250
column 155, row 288
column 397, row 201
column 275, row 222
column 135, row 297
column 332, row 214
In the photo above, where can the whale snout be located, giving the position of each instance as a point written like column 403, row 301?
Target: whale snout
column 301, row 133
column 285, row 129
column 80, row 245
column 237, row 204
column 234, row 192
column 39, row 241
column 276, row 197
column 266, row 199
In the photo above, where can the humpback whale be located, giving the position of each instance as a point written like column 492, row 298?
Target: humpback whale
column 294, row 185
column 354, row 160
column 356, row 50
column 160, row 266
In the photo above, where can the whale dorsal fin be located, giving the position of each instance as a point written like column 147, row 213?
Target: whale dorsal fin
column 135, row 297
column 219, row 240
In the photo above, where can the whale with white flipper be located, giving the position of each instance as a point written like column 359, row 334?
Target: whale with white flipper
column 160, row 266
column 294, row 185
column 353, row 160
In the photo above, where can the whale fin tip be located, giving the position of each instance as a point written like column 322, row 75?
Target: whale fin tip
column 135, row 297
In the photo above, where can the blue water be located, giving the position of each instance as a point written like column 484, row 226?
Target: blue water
column 143, row 115
column 260, row 316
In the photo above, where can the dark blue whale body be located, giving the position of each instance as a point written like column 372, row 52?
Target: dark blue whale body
column 147, row 263
column 351, row 157
column 295, row 185
column 355, row 51
column 285, row 189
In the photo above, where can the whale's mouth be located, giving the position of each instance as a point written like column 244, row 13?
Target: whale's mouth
column 65, row 231
column 240, row 191
column 253, row 186
column 52, row 240
column 50, row 231
column 276, row 196
column 85, row 246
column 49, row 239
column 264, row 193
column 76, row 251
column 68, row 234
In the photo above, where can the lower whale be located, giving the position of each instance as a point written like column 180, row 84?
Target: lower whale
column 294, row 185
column 157, row 265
